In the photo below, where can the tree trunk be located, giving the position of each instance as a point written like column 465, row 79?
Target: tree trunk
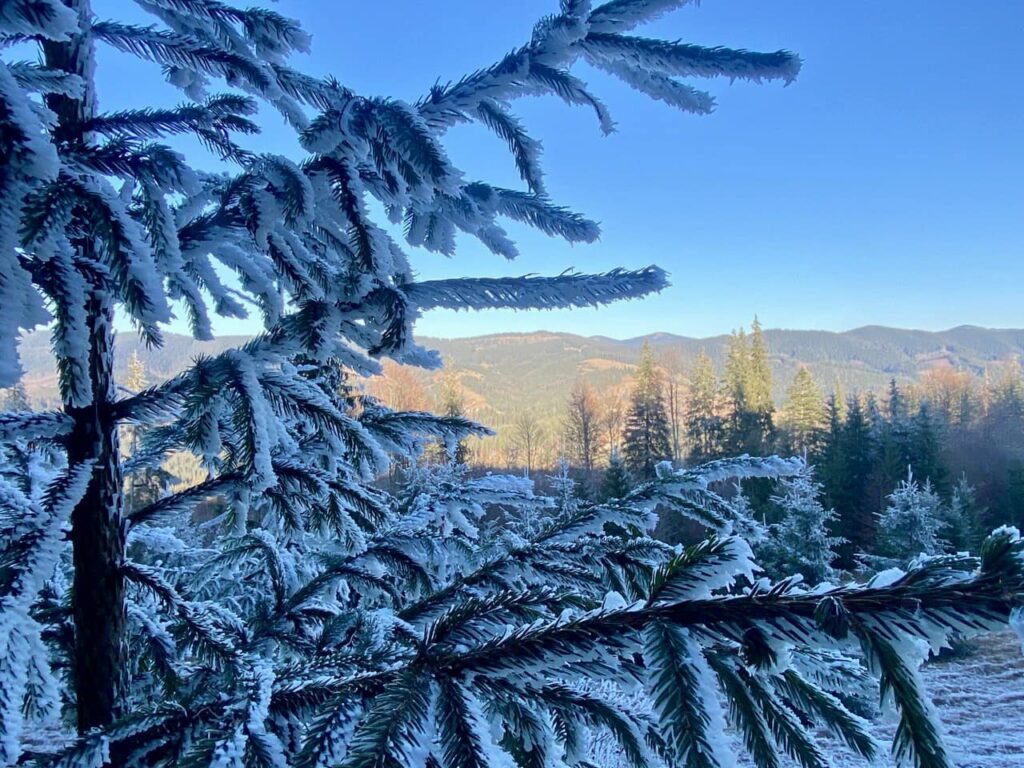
column 98, row 539
column 97, row 523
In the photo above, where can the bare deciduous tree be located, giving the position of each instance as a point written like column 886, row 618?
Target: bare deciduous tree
column 582, row 427
column 528, row 437
column 671, row 364
column 611, row 420
column 401, row 388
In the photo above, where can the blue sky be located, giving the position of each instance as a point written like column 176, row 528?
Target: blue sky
column 884, row 186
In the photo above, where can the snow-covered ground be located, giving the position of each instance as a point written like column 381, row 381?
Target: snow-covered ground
column 981, row 701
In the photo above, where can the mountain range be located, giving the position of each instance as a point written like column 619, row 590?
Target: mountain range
column 506, row 370
column 504, row 373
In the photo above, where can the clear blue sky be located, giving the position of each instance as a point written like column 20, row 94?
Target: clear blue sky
column 883, row 186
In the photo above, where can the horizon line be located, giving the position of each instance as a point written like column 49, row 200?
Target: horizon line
column 640, row 337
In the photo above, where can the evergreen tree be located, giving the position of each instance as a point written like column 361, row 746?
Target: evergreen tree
column 100, row 216
column 839, row 393
column 830, row 460
column 646, row 438
column 737, row 371
column 146, row 485
column 452, row 405
column 804, row 412
column 912, row 523
column 564, row 490
column 1002, row 425
column 137, row 379
column 15, row 399
column 893, row 437
column 748, row 384
column 801, row 541
column 759, row 387
column 616, row 479
column 875, row 416
column 703, row 420
column 896, row 405
column 742, row 433
column 925, row 442
column 961, row 524
column 320, row 620
column 848, row 466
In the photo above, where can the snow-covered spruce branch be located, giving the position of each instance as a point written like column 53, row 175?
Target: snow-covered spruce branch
column 929, row 602
column 211, row 635
column 534, row 292
column 736, row 643
column 29, row 425
column 543, row 64
column 937, row 602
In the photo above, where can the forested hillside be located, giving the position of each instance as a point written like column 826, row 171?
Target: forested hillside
column 507, row 368
column 504, row 372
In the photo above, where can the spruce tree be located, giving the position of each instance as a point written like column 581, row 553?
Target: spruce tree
column 646, row 438
column 896, row 405
column 804, row 412
column 737, row 370
column 451, row 404
column 801, row 542
column 839, row 393
column 319, row 620
column 15, row 399
column 846, row 472
column 748, row 383
column 828, row 451
column 703, row 420
column 759, row 387
column 962, row 519
column 145, row 485
column 925, row 448
column 100, row 216
column 1003, row 425
column 616, row 483
column 893, row 436
column 912, row 523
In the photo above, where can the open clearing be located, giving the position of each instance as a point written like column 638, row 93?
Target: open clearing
column 981, row 701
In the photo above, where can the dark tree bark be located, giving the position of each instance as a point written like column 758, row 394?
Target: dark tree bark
column 98, row 538
column 97, row 523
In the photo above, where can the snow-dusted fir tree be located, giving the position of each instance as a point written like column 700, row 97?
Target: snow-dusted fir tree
column 912, row 522
column 801, row 542
column 313, row 619
column 960, row 521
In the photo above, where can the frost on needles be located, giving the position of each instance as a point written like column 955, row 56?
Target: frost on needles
column 318, row 620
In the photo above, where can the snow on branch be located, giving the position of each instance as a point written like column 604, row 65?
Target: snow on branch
column 623, row 15
column 685, row 60
column 29, row 425
column 536, row 292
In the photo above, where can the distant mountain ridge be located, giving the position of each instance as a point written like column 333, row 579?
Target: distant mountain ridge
column 511, row 371
column 501, row 366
